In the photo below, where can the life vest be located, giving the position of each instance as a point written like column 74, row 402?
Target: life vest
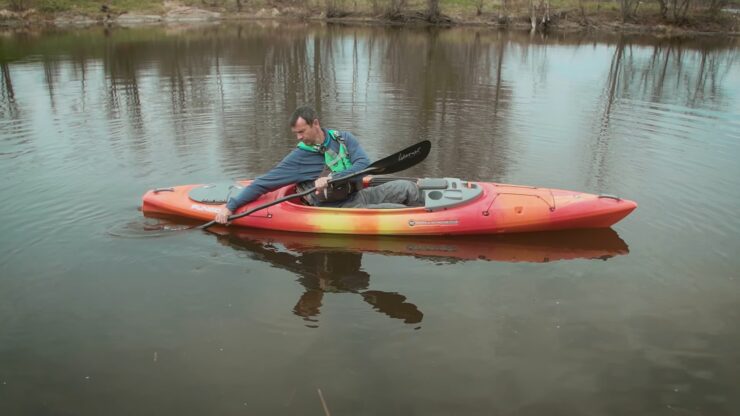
column 333, row 163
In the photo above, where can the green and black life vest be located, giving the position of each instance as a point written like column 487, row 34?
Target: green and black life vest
column 333, row 163
column 336, row 162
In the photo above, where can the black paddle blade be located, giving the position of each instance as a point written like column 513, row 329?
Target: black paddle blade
column 402, row 160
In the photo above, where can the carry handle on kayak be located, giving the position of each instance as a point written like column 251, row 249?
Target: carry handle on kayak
column 396, row 162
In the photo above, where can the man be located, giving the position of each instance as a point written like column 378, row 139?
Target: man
column 321, row 155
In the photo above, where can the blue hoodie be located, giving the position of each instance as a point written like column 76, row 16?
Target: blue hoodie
column 298, row 166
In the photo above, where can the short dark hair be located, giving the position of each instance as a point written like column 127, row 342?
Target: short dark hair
column 305, row 112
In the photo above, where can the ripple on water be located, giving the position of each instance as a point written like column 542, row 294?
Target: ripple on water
column 147, row 228
column 16, row 139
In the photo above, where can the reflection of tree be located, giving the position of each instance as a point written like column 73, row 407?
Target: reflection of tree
column 122, row 62
column 691, row 75
column 80, row 67
column 326, row 271
column 8, row 92
column 231, row 88
column 50, row 72
column 599, row 149
column 454, row 79
column 692, row 72
column 317, row 79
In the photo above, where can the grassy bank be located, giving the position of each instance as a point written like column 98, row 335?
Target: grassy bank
column 649, row 15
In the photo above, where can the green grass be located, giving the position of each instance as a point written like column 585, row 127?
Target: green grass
column 84, row 6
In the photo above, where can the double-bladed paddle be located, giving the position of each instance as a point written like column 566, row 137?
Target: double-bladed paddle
column 396, row 162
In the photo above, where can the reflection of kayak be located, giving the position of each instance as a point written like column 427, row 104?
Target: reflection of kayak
column 527, row 247
column 452, row 207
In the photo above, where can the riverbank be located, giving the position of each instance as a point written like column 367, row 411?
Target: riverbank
column 556, row 16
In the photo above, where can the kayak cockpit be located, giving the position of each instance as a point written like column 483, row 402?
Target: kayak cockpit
column 439, row 193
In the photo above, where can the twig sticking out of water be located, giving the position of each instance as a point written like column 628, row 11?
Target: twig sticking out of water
column 323, row 403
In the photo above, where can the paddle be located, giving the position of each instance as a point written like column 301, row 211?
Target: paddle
column 396, row 162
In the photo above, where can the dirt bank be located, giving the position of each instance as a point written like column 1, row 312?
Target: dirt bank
column 609, row 20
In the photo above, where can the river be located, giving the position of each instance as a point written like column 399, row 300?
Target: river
column 106, row 312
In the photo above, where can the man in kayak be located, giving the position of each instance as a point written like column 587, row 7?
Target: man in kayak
column 324, row 154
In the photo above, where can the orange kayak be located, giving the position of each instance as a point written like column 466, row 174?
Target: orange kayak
column 452, row 207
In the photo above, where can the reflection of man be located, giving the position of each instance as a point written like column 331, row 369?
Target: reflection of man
column 328, row 272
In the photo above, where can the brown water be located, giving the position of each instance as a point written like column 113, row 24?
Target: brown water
column 104, row 312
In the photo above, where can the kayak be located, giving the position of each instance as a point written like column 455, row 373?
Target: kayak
column 272, row 246
column 452, row 207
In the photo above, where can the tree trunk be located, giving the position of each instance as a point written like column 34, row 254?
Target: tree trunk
column 584, row 19
column 397, row 7
column 432, row 10
column 502, row 11
column 546, row 13
column 663, row 8
column 624, row 5
column 532, row 15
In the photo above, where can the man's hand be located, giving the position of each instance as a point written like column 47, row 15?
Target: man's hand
column 321, row 184
column 222, row 217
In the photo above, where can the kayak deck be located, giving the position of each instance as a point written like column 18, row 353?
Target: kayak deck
column 453, row 207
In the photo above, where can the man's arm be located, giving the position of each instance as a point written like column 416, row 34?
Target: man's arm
column 289, row 170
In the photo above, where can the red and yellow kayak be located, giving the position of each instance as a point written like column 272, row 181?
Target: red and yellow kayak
column 453, row 207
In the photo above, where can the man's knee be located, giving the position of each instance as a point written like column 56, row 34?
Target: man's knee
column 403, row 186
column 408, row 192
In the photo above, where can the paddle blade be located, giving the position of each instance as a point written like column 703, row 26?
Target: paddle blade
column 403, row 159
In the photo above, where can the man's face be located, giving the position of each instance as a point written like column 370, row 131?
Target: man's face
column 308, row 133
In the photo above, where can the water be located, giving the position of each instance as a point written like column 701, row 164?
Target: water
column 104, row 311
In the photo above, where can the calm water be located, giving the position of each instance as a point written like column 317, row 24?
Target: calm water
column 105, row 312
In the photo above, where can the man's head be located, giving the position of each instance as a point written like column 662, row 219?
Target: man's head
column 305, row 125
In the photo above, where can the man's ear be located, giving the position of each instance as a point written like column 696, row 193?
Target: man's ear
column 316, row 123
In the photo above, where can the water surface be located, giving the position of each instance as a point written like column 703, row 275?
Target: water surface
column 104, row 311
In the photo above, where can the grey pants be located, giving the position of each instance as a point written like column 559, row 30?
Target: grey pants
column 394, row 194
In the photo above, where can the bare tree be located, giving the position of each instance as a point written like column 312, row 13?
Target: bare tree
column 396, row 7
column 503, row 11
column 584, row 19
column 479, row 7
column 663, row 8
column 432, row 9
column 716, row 6
column 628, row 8
column 544, row 8
column 335, row 8
column 675, row 10
column 19, row 5
column 532, row 15
column 375, row 6
column 678, row 9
